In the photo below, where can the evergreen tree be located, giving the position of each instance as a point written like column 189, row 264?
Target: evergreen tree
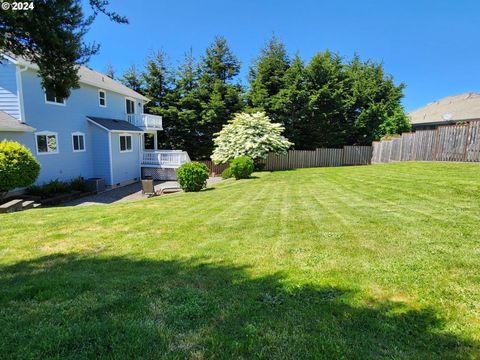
column 267, row 77
column 182, row 112
column 132, row 79
column 157, row 79
column 219, row 96
column 51, row 36
column 291, row 105
column 372, row 103
column 110, row 71
column 325, row 85
column 219, row 63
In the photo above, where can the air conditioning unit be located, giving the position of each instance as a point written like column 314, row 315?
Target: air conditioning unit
column 95, row 185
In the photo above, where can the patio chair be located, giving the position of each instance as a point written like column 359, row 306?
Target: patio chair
column 147, row 187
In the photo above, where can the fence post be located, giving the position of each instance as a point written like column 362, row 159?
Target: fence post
column 437, row 143
column 467, row 136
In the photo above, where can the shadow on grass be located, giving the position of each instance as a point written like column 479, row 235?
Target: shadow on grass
column 87, row 307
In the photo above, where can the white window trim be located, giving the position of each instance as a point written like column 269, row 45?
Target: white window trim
column 46, row 133
column 105, row 98
column 77, row 133
column 120, row 144
column 54, row 102
column 134, row 105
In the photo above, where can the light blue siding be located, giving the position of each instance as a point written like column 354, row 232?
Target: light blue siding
column 23, row 138
column 65, row 120
column 9, row 97
column 126, row 165
column 101, row 157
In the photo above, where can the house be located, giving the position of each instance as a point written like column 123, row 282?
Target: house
column 447, row 111
column 99, row 131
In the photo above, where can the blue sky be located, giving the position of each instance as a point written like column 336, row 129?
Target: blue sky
column 431, row 46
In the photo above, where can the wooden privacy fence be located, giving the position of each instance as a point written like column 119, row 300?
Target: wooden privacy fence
column 212, row 168
column 296, row 159
column 446, row 143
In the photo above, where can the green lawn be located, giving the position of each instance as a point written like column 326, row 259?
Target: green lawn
column 355, row 262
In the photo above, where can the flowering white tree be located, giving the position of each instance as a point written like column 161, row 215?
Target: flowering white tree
column 251, row 135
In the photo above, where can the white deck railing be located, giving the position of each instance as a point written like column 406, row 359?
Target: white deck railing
column 165, row 158
column 146, row 121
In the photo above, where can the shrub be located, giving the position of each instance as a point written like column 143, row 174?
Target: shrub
column 192, row 176
column 56, row 187
column 49, row 189
column 227, row 173
column 242, row 167
column 18, row 167
column 78, row 184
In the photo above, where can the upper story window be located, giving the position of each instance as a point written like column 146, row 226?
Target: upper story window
column 52, row 98
column 78, row 142
column 130, row 106
column 47, row 142
column 126, row 143
column 102, row 98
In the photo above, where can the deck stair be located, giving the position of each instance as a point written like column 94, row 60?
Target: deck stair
column 18, row 205
column 11, row 206
column 27, row 204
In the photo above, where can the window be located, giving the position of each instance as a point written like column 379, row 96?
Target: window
column 149, row 141
column 125, row 143
column 130, row 106
column 47, row 142
column 52, row 98
column 78, row 142
column 102, row 98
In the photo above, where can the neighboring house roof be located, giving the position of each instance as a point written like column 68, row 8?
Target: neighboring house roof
column 9, row 123
column 448, row 110
column 91, row 77
column 114, row 124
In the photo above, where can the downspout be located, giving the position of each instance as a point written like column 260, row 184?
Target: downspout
column 140, row 155
column 20, row 92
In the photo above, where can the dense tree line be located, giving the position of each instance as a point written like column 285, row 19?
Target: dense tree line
column 328, row 102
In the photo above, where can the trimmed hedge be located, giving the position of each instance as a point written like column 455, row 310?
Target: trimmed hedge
column 18, row 167
column 242, row 167
column 192, row 176
column 227, row 173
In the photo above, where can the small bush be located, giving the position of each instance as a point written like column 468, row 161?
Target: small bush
column 49, row 189
column 78, row 184
column 227, row 173
column 18, row 167
column 242, row 167
column 56, row 187
column 192, row 176
column 390, row 137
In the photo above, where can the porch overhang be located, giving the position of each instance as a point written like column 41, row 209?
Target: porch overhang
column 114, row 125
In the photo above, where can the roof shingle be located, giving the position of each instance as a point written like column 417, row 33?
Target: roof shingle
column 9, row 123
column 450, row 109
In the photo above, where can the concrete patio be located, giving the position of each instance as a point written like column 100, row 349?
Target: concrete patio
column 130, row 192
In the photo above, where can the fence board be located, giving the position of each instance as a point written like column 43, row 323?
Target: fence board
column 446, row 143
column 324, row 157
column 212, row 168
column 473, row 142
